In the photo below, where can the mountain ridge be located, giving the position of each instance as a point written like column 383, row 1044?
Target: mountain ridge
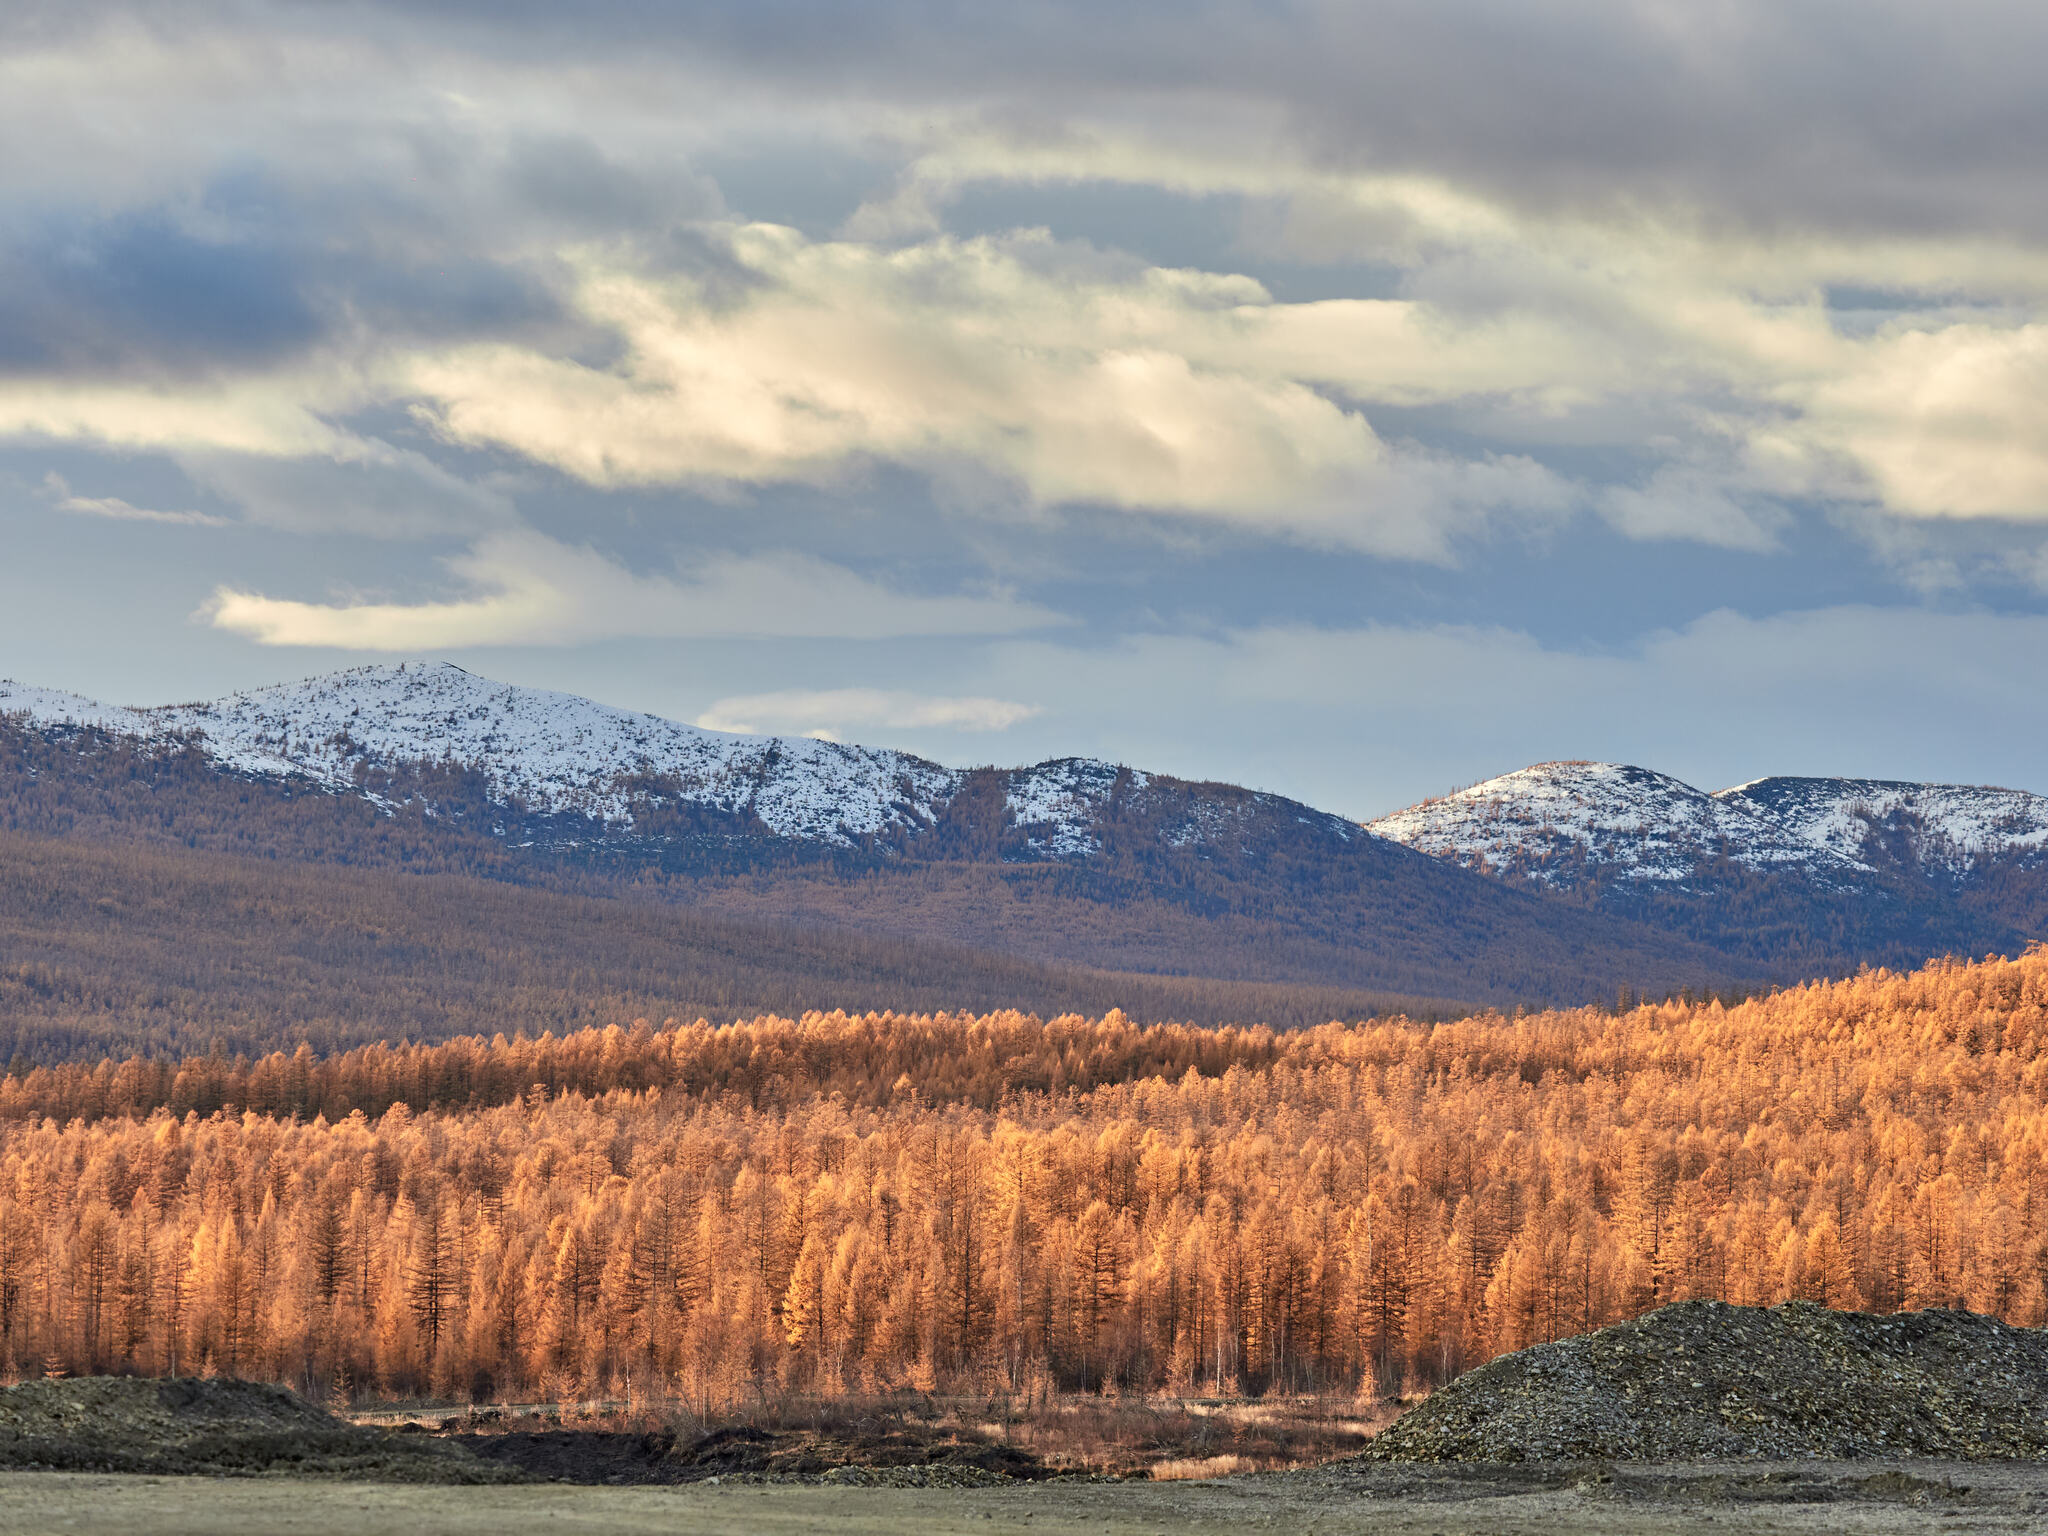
column 556, row 753
column 1559, row 882
column 1070, row 862
column 1557, row 822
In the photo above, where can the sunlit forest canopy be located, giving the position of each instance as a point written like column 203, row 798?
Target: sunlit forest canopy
column 840, row 1203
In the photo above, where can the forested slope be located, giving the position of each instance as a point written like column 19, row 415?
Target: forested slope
column 988, row 1204
column 1269, row 896
column 120, row 947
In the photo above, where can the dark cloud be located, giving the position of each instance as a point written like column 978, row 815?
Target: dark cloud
column 243, row 276
column 1893, row 115
column 92, row 297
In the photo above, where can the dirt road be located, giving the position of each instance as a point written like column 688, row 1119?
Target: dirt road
column 1806, row 1498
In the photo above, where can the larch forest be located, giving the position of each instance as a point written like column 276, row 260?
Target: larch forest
column 843, row 1204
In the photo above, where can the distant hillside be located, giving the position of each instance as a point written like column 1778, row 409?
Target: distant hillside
column 170, row 950
column 1824, row 874
column 1160, row 877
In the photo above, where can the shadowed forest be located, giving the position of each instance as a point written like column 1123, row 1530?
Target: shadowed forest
column 174, row 952
column 836, row 1204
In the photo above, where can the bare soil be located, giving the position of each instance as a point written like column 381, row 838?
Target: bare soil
column 1696, row 1418
column 1689, row 1499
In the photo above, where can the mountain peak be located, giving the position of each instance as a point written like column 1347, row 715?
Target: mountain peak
column 1561, row 822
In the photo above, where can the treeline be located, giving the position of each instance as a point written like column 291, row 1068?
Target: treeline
column 768, row 1064
column 998, row 1203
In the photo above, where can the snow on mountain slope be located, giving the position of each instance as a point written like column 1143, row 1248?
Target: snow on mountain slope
column 52, row 706
column 1058, row 803
column 1557, row 822
column 1554, row 820
column 1950, row 823
column 555, row 753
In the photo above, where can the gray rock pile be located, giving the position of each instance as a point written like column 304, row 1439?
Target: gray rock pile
column 186, row 1425
column 1705, row 1380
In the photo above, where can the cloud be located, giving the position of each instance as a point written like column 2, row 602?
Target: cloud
column 1069, row 377
column 522, row 588
column 830, row 711
column 1855, row 117
column 115, row 509
column 364, row 486
column 1625, row 328
column 281, row 415
column 137, row 289
column 1942, row 421
column 1611, row 226
column 1682, row 504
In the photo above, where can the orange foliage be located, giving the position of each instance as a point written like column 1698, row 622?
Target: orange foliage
column 1000, row 1204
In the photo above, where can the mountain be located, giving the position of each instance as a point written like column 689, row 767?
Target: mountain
column 1951, row 828
column 1071, row 864
column 1831, row 872
column 1562, row 824
column 574, row 769
column 1559, row 883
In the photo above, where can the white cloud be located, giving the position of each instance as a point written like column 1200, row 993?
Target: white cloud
column 830, row 711
column 1071, row 378
column 1644, row 326
column 521, row 588
column 115, row 509
column 1581, row 326
column 254, row 414
column 1076, row 379
column 1942, row 421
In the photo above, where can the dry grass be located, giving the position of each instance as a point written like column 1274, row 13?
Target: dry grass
column 1179, row 1470
column 1158, row 1437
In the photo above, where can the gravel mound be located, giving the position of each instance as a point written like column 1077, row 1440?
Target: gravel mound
column 233, row 1428
column 1705, row 1380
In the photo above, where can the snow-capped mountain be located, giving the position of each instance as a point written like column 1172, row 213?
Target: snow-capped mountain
column 554, row 754
column 551, row 752
column 1946, row 826
column 1615, row 873
column 1562, row 823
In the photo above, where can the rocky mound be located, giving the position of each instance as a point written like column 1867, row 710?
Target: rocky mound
column 1705, row 1380
column 185, row 1425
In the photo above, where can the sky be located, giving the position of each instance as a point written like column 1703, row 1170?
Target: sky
column 1351, row 400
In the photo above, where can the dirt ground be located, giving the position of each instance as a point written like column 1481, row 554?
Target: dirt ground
column 1807, row 1497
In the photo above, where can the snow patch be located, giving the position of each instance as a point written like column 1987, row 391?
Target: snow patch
column 1058, row 803
column 1949, row 825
